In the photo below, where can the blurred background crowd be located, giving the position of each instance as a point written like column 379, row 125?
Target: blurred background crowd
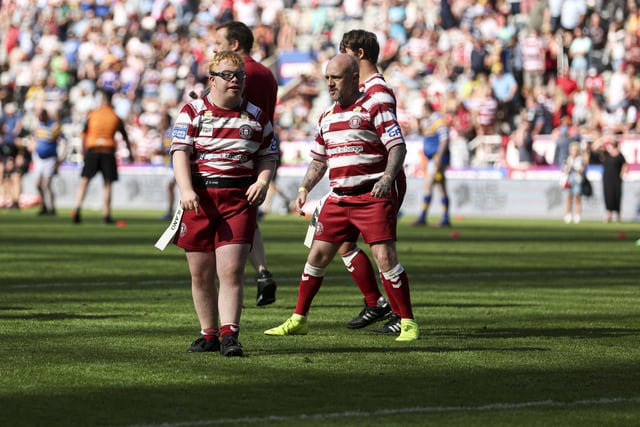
column 503, row 71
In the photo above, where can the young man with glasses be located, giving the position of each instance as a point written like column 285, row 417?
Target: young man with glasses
column 224, row 155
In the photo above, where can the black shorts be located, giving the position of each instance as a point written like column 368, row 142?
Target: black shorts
column 9, row 151
column 98, row 161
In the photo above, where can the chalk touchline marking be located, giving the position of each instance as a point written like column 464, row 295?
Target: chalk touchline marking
column 382, row 412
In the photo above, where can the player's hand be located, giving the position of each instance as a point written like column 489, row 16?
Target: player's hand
column 257, row 193
column 190, row 200
column 301, row 200
column 382, row 188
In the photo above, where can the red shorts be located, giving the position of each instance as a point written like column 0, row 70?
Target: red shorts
column 225, row 217
column 343, row 219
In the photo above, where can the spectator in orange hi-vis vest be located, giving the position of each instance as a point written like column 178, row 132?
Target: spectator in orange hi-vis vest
column 99, row 145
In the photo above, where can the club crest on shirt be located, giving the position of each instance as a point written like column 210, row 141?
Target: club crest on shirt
column 355, row 122
column 245, row 131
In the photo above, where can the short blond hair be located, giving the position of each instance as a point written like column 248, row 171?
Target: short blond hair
column 225, row 55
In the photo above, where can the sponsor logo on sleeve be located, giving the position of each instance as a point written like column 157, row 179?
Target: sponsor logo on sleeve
column 394, row 131
column 180, row 131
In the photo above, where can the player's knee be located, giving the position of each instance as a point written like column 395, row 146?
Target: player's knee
column 386, row 259
column 349, row 254
column 347, row 248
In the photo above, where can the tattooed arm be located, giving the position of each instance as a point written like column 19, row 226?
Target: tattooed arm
column 395, row 163
column 314, row 174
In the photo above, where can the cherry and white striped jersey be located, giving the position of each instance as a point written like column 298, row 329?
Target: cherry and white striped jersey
column 223, row 143
column 355, row 142
column 485, row 108
column 377, row 87
column 532, row 53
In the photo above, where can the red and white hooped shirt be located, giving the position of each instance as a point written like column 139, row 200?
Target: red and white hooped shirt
column 377, row 87
column 355, row 142
column 223, row 143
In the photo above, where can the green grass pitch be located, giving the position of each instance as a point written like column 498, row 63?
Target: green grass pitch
column 523, row 323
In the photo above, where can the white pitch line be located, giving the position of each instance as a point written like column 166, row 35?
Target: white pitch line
column 423, row 276
column 384, row 412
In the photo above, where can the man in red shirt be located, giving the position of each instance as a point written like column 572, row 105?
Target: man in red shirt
column 569, row 87
column 594, row 85
column 261, row 89
column 566, row 82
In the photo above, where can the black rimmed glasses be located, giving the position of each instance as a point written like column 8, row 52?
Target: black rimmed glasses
column 229, row 75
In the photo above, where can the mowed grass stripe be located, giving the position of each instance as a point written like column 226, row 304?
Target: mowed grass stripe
column 524, row 323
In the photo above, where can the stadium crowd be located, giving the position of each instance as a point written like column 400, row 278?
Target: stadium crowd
column 513, row 68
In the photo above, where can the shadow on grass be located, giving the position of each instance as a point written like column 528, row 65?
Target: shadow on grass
column 322, row 305
column 386, row 350
column 57, row 316
column 546, row 332
column 248, row 394
column 462, row 305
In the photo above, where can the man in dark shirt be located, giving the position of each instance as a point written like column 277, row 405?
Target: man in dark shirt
column 261, row 89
